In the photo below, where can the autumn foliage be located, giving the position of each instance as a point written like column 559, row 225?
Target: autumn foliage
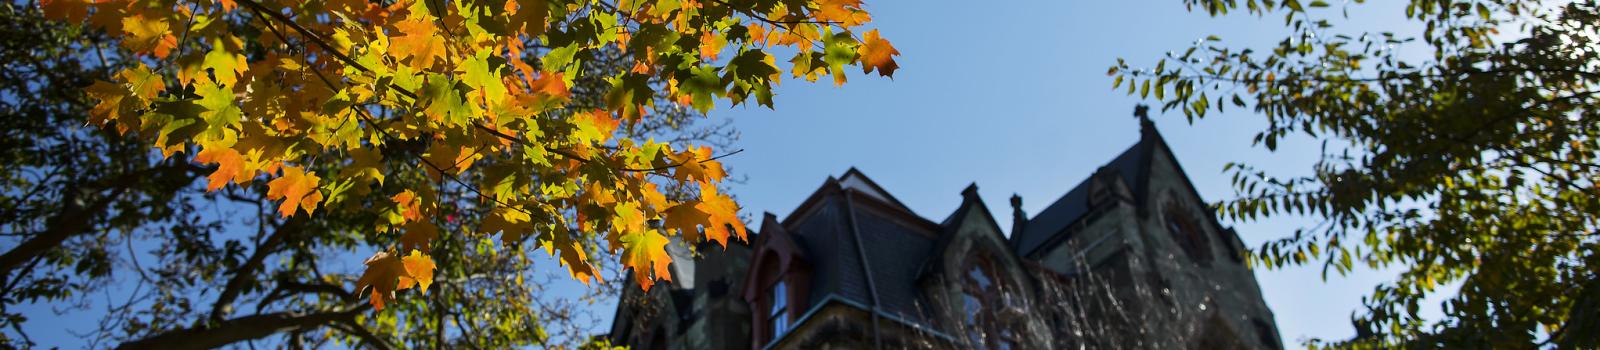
column 477, row 86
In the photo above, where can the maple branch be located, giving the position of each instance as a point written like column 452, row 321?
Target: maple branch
column 772, row 21
column 308, row 34
column 565, row 153
column 246, row 272
column 76, row 216
column 241, row 329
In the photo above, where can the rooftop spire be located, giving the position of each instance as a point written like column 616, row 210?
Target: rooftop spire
column 1142, row 112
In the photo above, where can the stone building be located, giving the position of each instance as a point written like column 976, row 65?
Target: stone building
column 1129, row 258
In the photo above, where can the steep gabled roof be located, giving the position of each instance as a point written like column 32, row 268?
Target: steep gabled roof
column 970, row 201
column 1134, row 167
column 854, row 179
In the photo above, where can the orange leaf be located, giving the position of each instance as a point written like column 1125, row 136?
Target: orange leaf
column 230, row 167
column 148, row 36
column 418, row 234
column 847, row 13
column 71, row 10
column 723, row 212
column 382, row 277
column 297, row 189
column 387, row 273
column 552, row 84
column 686, row 219
column 877, row 53
column 418, row 271
column 418, row 40
column 410, row 205
column 696, row 164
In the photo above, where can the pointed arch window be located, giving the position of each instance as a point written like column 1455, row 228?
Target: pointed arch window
column 985, row 299
column 1187, row 233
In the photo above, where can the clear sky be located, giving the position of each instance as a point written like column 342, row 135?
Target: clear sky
column 1012, row 96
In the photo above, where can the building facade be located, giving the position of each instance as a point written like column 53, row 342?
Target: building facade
column 1130, row 258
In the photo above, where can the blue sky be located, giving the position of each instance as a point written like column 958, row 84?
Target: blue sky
column 1012, row 96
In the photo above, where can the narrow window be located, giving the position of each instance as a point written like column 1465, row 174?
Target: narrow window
column 779, row 315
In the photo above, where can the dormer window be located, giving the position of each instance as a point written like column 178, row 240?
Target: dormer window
column 779, row 312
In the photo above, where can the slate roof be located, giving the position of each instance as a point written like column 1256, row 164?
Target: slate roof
column 1132, row 165
column 894, row 250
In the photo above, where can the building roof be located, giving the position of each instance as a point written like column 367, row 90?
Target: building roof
column 1131, row 165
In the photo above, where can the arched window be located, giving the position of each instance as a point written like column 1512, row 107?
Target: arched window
column 778, row 314
column 1187, row 233
column 984, row 300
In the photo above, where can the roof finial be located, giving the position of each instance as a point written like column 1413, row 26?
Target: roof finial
column 1142, row 112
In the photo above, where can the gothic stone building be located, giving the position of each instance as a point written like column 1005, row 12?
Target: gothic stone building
column 1129, row 258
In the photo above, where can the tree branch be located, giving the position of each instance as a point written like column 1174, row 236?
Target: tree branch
column 240, row 329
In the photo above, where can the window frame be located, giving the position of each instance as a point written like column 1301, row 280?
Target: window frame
column 986, row 327
column 778, row 320
column 1188, row 234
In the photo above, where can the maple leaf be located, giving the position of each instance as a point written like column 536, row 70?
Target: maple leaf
column 418, row 234
column 877, row 53
column 696, row 164
column 514, row 224
column 449, row 158
column 225, row 65
column 410, row 205
column 144, row 83
column 847, row 13
column 551, row 84
column 723, row 214
column 297, row 189
column 646, row 253
column 529, row 15
column 686, row 218
column 230, row 167
column 148, row 36
column 594, row 127
column 419, row 271
column 111, row 106
column 571, row 253
column 70, row 10
column 382, row 277
column 445, row 103
column 483, row 78
column 419, row 41
column 387, row 273
column 364, row 163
